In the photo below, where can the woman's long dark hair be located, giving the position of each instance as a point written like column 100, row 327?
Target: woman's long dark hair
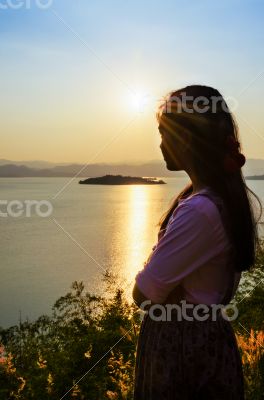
column 209, row 131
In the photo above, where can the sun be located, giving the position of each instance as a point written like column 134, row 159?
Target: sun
column 139, row 101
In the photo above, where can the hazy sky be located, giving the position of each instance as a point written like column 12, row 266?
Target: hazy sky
column 81, row 79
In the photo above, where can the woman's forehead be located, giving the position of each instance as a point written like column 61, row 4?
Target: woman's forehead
column 163, row 122
column 161, row 128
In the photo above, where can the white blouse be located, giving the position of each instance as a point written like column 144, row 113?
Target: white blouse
column 193, row 251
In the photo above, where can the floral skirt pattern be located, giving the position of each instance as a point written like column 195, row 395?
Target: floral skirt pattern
column 188, row 360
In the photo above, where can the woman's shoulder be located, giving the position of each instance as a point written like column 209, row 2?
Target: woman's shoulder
column 204, row 202
column 202, row 212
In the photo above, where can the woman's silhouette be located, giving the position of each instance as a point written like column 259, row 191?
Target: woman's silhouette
column 206, row 239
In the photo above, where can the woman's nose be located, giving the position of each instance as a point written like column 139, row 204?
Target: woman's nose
column 162, row 149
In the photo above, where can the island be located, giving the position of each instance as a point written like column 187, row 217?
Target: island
column 255, row 177
column 121, row 180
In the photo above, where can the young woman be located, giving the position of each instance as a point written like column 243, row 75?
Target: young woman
column 207, row 238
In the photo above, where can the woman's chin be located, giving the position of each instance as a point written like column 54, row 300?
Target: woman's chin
column 170, row 167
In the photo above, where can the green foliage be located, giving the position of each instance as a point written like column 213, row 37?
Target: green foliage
column 86, row 349
column 250, row 295
column 249, row 327
column 50, row 355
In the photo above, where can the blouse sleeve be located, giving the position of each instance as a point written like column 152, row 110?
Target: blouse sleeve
column 186, row 245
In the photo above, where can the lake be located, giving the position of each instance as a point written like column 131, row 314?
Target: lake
column 91, row 228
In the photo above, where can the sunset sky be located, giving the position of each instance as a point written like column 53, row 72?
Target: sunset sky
column 81, row 80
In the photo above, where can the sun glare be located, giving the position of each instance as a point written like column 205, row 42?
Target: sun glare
column 139, row 101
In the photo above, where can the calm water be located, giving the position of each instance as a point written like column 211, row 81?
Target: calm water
column 92, row 228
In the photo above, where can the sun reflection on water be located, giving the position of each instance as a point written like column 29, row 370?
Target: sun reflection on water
column 136, row 233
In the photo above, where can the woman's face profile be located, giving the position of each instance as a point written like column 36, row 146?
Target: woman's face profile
column 171, row 150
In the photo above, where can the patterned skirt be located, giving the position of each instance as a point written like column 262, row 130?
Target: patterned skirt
column 188, row 360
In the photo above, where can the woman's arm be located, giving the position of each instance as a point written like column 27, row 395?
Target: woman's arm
column 139, row 297
column 188, row 243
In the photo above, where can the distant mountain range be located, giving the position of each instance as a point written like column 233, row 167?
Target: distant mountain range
column 254, row 168
column 15, row 169
column 39, row 164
